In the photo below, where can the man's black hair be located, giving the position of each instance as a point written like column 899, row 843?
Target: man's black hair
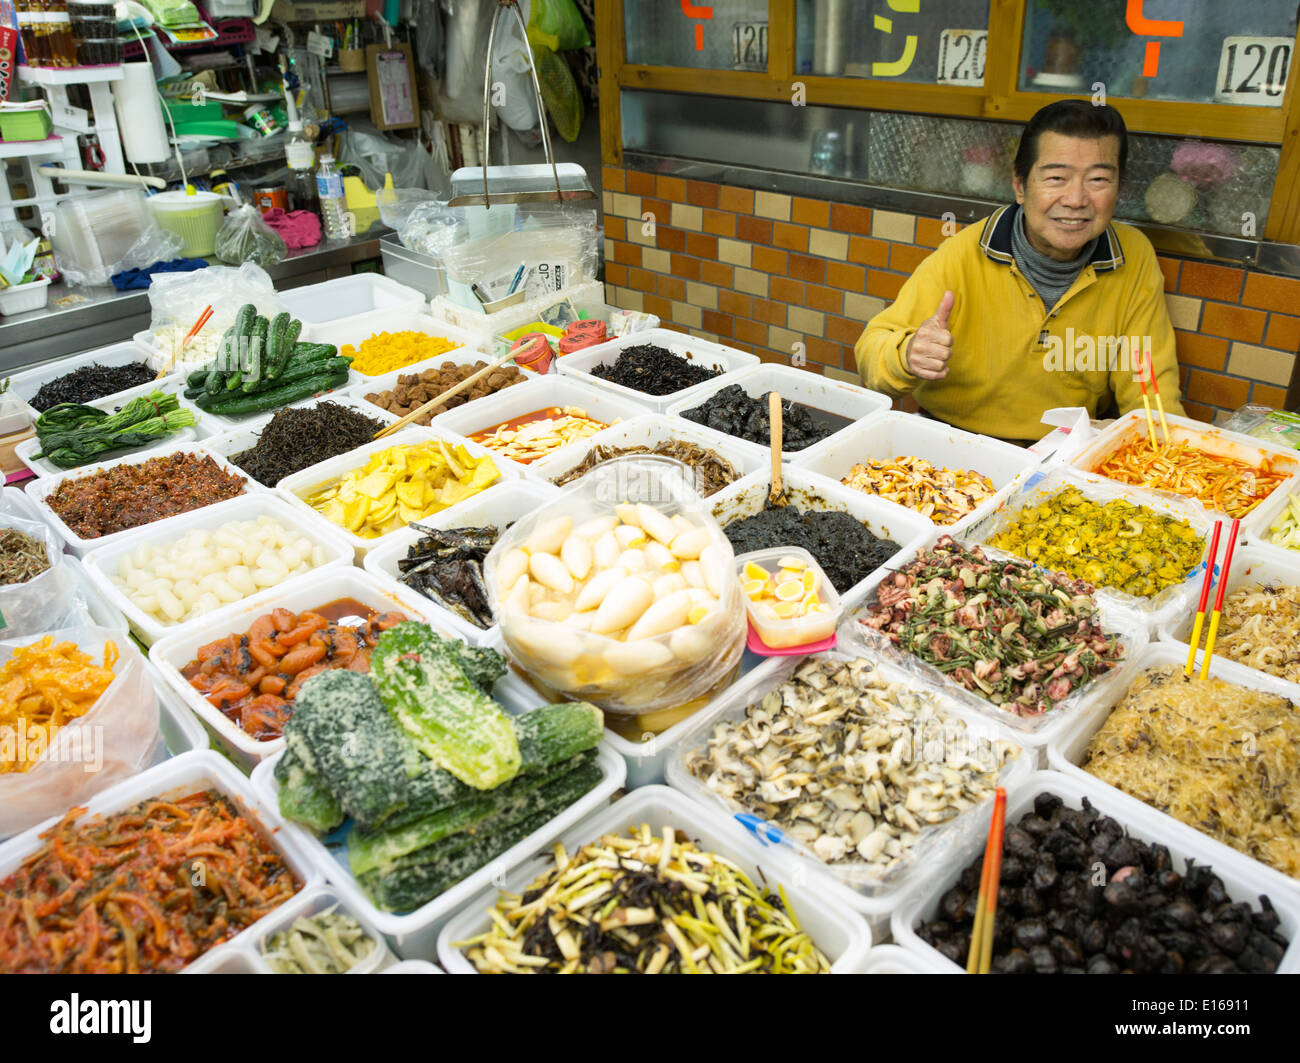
column 1070, row 118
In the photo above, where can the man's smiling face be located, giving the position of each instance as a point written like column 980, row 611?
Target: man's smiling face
column 1070, row 194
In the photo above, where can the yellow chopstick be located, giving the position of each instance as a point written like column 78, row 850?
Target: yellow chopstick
column 1155, row 387
column 1218, row 599
column 1205, row 597
column 1146, row 405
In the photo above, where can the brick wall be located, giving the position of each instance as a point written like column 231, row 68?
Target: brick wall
column 763, row 271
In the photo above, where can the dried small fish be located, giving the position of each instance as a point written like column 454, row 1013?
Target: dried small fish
column 446, row 566
column 22, row 557
column 713, row 472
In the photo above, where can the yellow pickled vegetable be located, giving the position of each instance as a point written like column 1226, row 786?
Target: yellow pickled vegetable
column 1119, row 545
column 402, row 484
column 387, row 351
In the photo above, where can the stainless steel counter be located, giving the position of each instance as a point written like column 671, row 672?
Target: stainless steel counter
column 95, row 317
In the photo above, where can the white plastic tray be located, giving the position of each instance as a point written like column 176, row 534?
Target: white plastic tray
column 40, row 489
column 696, row 351
column 874, row 900
column 28, row 382
column 842, row 936
column 356, row 330
column 1241, row 881
column 198, row 770
column 331, row 302
column 531, row 396
column 894, row 959
column 894, row 435
column 503, row 505
column 413, row 935
column 883, row 519
column 302, row 485
column 413, row 967
column 102, row 563
column 647, row 430
column 308, row 903
column 173, row 652
column 374, row 385
column 220, row 423
column 1133, row 426
column 1066, row 752
column 794, row 385
column 1255, row 528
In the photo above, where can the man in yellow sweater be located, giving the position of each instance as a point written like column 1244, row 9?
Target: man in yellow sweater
column 1043, row 304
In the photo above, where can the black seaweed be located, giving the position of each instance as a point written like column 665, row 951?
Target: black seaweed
column 446, row 565
column 731, row 410
column 90, row 382
column 298, row 437
column 654, row 370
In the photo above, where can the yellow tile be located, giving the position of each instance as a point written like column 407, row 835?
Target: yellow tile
column 628, row 299
column 701, row 334
column 734, row 253
column 654, row 259
column 684, row 216
column 751, row 282
column 772, row 205
column 1184, row 311
column 607, row 202
column 888, row 225
column 782, row 339
column 843, row 375
column 636, row 232
column 809, row 322
column 862, row 307
column 704, row 295
column 685, row 314
column 828, row 244
column 1259, row 363
column 609, row 250
column 626, row 206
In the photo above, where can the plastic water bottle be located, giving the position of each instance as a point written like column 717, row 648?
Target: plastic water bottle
column 333, row 203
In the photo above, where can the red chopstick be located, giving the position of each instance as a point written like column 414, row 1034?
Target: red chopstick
column 1218, row 599
column 1205, row 597
column 980, row 957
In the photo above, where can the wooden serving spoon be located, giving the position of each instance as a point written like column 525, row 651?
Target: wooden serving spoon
column 776, row 495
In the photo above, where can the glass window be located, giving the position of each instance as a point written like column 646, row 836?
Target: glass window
column 925, row 41
column 723, row 35
column 1211, row 51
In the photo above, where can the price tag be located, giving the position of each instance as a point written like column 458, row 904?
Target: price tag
column 749, row 46
column 319, row 44
column 961, row 57
column 66, row 116
column 1252, row 71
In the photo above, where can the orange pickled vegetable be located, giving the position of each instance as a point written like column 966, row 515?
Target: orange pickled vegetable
column 386, row 351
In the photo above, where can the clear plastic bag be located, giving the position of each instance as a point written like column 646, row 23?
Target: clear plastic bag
column 468, row 25
column 557, row 248
column 177, row 299
column 377, row 155
column 26, row 608
column 512, row 84
column 665, row 671
column 154, row 244
column 245, row 237
column 429, row 48
column 114, row 740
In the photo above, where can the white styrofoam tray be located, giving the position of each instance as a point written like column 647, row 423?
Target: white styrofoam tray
column 301, row 593
column 1256, row 527
column 808, row 492
column 648, row 430
column 893, row 435
column 375, row 385
column 1241, row 880
column 869, row 895
column 894, row 959
column 40, row 489
column 531, row 396
column 28, row 382
column 102, row 563
column 413, row 935
column 503, row 505
column 841, row 935
column 356, row 330
column 329, row 302
column 302, row 485
column 1067, row 751
column 580, row 364
column 794, row 385
column 185, row 774
column 1133, row 426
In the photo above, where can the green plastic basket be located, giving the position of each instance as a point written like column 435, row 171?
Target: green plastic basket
column 32, row 124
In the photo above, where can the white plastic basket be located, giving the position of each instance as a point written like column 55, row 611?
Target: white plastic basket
column 173, row 652
column 1241, row 881
column 414, row 935
column 302, row 485
column 185, row 774
column 102, row 563
column 344, row 298
column 28, row 382
column 841, row 935
column 894, row 435
column 531, row 396
column 39, row 490
column 1067, row 751
column 794, row 385
column 579, row 364
column 501, row 506
column 20, row 298
column 647, row 430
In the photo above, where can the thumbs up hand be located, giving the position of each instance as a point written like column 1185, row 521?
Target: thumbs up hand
column 930, row 347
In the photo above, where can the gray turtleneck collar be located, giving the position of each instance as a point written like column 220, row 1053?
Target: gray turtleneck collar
column 1051, row 279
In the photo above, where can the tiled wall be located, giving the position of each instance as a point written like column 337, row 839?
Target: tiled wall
column 763, row 271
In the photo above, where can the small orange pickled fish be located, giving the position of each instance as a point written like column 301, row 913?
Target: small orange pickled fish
column 790, row 592
column 43, row 687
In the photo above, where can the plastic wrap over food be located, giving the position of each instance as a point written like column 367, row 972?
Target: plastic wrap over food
column 42, row 601
column 621, row 592
column 177, row 300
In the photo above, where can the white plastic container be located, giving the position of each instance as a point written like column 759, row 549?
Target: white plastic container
column 414, row 935
column 302, row 485
column 376, row 385
column 90, row 605
column 894, row 959
column 696, row 351
column 40, row 489
column 1133, row 426
column 330, row 302
column 357, row 330
column 20, row 298
column 179, row 729
column 1240, row 879
column 794, row 631
column 807, row 492
column 173, row 652
column 413, row 967
column 185, row 774
column 1255, row 528
column 497, row 508
column 102, row 563
column 893, row 435
column 647, row 430
column 793, row 385
column 1067, row 751
column 28, row 382
column 529, row 397
column 313, row 902
column 221, row 423
column 852, row 884
column 840, row 935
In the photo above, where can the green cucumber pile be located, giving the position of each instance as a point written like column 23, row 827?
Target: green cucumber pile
column 261, row 366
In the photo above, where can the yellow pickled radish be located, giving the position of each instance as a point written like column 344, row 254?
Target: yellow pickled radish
column 795, row 564
column 755, row 588
column 809, row 581
column 753, row 571
column 785, row 610
column 789, row 591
